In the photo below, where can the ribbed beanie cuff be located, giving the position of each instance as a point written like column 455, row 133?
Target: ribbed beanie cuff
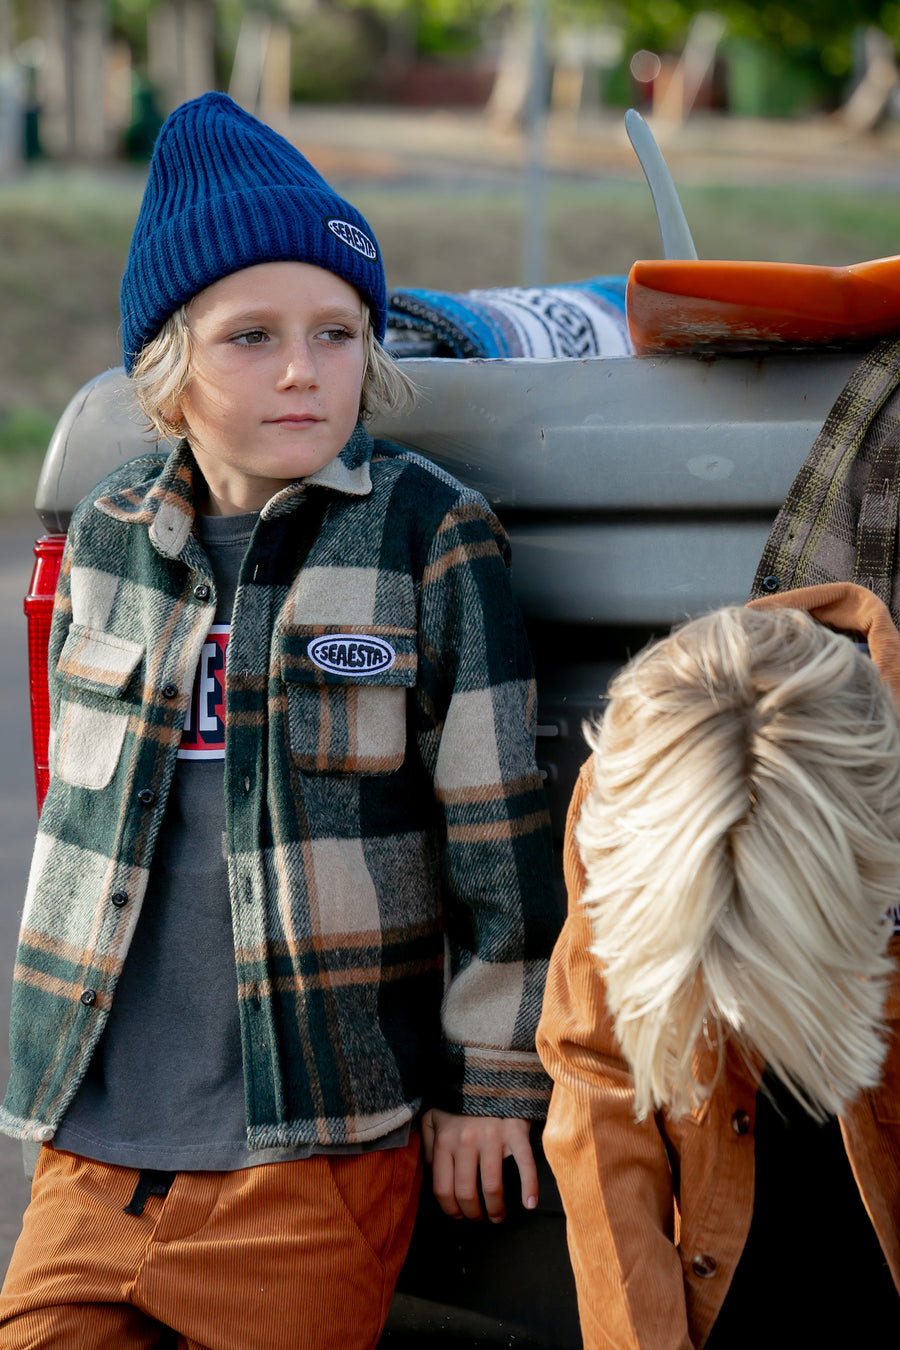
column 224, row 191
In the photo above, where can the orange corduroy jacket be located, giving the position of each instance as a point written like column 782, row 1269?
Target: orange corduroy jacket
column 654, row 1255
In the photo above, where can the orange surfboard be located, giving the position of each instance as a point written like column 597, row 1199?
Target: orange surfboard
column 682, row 305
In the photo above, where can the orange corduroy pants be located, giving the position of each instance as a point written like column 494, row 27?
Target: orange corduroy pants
column 286, row 1256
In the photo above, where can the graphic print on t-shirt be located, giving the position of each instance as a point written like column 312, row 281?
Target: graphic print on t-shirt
column 203, row 736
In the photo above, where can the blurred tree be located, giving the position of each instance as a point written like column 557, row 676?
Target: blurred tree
column 172, row 40
column 70, row 75
column 432, row 27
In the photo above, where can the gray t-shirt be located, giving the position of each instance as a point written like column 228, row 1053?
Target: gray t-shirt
column 165, row 1086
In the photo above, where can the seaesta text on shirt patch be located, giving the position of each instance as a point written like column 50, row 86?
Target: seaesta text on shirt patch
column 353, row 237
column 351, row 654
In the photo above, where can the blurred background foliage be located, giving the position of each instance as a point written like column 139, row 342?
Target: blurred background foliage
column 360, row 49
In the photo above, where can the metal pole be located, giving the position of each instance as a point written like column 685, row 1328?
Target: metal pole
column 535, row 232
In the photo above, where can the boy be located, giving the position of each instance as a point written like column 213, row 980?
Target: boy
column 292, row 878
column 723, row 990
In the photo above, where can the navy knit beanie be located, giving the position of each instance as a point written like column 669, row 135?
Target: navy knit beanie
column 224, row 192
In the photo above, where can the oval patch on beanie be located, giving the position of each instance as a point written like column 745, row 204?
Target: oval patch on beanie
column 353, row 237
column 351, row 654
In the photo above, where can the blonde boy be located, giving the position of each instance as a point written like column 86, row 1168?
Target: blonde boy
column 291, row 887
column 726, row 987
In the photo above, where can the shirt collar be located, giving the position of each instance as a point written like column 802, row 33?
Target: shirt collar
column 165, row 502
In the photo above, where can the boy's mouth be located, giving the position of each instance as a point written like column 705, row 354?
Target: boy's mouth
column 294, row 420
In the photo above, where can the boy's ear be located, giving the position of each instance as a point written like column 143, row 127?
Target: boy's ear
column 172, row 417
column 174, row 413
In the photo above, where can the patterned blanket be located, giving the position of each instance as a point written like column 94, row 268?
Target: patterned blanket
column 580, row 319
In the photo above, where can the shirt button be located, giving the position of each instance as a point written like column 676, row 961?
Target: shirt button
column 202, row 592
column 740, row 1122
column 770, row 584
column 89, row 997
column 45, row 1133
column 704, row 1266
column 119, row 898
column 146, row 796
column 170, row 690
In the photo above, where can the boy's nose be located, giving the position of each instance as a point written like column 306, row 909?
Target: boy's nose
column 298, row 366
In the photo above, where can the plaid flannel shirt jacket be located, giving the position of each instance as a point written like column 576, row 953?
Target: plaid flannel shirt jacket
column 386, row 832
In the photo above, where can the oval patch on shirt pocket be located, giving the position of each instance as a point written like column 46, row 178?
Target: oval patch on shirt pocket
column 346, row 696
column 352, row 654
column 90, row 731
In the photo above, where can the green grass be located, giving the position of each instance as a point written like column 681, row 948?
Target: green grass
column 64, row 237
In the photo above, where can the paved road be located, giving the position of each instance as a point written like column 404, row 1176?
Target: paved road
column 17, row 815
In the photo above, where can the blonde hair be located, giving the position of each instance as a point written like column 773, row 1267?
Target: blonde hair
column 742, row 847
column 162, row 372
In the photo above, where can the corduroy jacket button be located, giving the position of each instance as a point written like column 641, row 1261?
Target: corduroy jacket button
column 88, row 997
column 119, row 898
column 202, row 592
column 146, row 796
column 740, row 1122
column 170, row 690
column 704, row 1266
column 45, row 1133
column 770, row 584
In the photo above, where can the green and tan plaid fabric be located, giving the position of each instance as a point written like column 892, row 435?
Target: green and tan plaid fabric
column 386, row 831
column 839, row 520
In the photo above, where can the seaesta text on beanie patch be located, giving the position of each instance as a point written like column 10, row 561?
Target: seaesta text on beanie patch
column 351, row 654
column 353, row 237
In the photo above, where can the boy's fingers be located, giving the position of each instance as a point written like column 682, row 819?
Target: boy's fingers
column 465, row 1182
column 528, row 1175
column 464, row 1150
column 442, row 1181
column 492, row 1184
column 427, row 1128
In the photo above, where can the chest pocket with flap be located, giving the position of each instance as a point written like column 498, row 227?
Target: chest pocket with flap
column 94, row 670
column 346, row 692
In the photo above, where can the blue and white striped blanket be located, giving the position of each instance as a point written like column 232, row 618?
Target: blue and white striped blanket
column 579, row 319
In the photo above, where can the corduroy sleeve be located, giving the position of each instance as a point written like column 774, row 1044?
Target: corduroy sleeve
column 477, row 720
column 612, row 1171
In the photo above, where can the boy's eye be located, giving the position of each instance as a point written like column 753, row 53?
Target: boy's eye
column 252, row 338
column 336, row 335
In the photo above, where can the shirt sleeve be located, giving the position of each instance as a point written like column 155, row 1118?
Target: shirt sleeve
column 476, row 724
column 59, row 631
column 613, row 1172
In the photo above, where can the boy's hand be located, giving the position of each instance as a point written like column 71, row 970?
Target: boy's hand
column 458, row 1147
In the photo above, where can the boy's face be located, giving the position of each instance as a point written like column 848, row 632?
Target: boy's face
column 277, row 366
